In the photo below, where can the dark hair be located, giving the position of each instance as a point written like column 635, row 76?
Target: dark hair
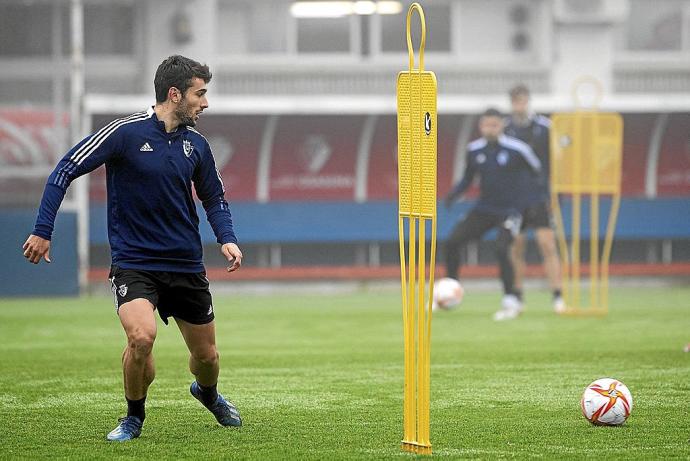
column 518, row 90
column 492, row 112
column 178, row 71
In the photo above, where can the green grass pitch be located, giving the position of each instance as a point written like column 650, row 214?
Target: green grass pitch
column 320, row 377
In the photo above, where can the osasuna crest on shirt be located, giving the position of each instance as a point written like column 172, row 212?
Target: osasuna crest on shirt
column 187, row 147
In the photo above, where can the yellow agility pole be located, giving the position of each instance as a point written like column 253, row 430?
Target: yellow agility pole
column 586, row 163
column 416, row 94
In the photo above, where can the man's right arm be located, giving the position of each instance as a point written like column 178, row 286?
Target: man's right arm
column 83, row 158
column 465, row 182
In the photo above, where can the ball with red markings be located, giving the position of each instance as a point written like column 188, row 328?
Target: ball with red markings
column 606, row 402
column 448, row 293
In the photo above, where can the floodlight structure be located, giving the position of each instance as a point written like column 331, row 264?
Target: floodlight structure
column 416, row 95
column 586, row 161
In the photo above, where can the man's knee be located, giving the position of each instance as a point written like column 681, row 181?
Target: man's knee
column 547, row 243
column 141, row 341
column 519, row 245
column 208, row 356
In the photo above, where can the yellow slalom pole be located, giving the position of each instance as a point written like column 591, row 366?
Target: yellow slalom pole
column 575, row 250
column 422, row 418
column 594, row 251
column 594, row 183
column 556, row 152
column 417, row 132
column 562, row 245
column 408, row 339
column 606, row 253
column 586, row 160
column 426, row 435
column 576, row 217
column 411, row 324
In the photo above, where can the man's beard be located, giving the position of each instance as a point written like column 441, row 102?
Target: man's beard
column 183, row 115
column 521, row 119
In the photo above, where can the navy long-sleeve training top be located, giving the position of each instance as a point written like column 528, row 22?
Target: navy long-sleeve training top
column 152, row 218
column 536, row 134
column 506, row 169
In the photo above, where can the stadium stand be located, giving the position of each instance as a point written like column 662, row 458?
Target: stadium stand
column 320, row 202
column 328, row 190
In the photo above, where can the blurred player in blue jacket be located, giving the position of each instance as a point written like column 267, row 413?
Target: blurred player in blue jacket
column 505, row 167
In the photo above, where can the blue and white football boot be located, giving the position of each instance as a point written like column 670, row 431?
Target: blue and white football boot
column 128, row 429
column 225, row 412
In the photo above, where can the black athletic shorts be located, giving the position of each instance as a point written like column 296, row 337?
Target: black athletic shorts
column 537, row 216
column 477, row 223
column 181, row 295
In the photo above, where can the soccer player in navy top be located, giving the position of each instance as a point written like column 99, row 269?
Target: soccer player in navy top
column 504, row 165
column 533, row 129
column 154, row 159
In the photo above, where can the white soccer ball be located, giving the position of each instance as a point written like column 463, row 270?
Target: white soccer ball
column 448, row 293
column 606, row 402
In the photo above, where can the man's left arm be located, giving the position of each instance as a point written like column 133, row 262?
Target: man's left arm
column 211, row 191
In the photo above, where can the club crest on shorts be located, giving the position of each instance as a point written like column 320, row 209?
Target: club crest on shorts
column 122, row 290
column 187, row 147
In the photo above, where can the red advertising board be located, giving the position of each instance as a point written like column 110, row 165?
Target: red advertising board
column 314, row 157
column 382, row 181
column 29, row 138
column 235, row 141
column 637, row 132
column 673, row 174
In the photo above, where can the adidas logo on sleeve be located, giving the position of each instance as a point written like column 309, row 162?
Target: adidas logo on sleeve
column 146, row 148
